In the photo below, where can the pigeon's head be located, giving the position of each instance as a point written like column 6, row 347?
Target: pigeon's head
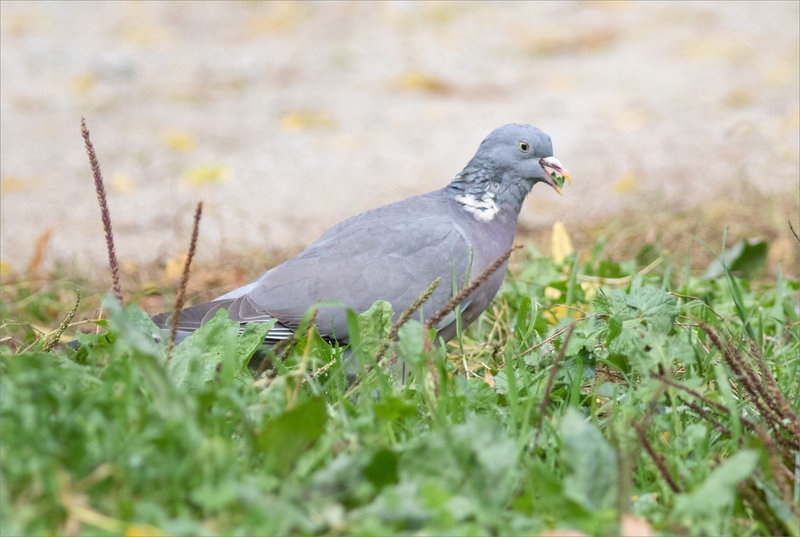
column 507, row 164
column 521, row 153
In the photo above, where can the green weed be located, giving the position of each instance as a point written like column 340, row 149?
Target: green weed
column 592, row 393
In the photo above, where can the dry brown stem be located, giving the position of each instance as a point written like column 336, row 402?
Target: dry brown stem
column 104, row 212
column 176, row 310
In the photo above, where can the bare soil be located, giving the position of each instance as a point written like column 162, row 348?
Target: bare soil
column 285, row 118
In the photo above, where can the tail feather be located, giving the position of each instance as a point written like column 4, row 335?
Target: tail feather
column 194, row 317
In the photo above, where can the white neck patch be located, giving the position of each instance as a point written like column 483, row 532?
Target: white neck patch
column 484, row 209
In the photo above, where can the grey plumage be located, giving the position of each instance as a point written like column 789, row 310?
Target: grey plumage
column 394, row 252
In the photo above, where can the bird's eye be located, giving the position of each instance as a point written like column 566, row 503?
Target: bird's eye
column 524, row 146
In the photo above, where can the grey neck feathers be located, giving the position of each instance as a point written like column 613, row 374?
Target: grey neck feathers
column 486, row 190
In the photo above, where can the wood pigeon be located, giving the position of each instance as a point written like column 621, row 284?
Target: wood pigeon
column 396, row 251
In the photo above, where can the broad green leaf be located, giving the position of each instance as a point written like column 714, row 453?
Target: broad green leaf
column 476, row 457
column 639, row 324
column 133, row 327
column 591, row 475
column 650, row 305
column 285, row 438
column 744, row 259
column 374, row 325
column 377, row 320
column 654, row 306
column 411, row 343
column 207, row 354
column 250, row 340
column 382, row 469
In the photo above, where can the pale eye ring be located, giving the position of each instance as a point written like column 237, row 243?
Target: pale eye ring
column 524, row 146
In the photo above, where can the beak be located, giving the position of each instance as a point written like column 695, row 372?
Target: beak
column 554, row 172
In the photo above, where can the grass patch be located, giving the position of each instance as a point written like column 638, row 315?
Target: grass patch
column 599, row 393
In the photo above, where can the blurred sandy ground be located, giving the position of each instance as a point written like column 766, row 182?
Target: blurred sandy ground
column 286, row 118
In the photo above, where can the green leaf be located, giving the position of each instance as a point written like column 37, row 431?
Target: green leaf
column 250, row 340
column 373, row 326
column 614, row 327
column 411, row 343
column 382, row 469
column 652, row 306
column 609, row 269
column 474, row 458
column 392, row 409
column 207, row 354
column 377, row 320
column 591, row 476
column 646, row 255
column 639, row 326
column 522, row 326
column 705, row 509
column 745, row 259
column 353, row 329
column 285, row 438
column 133, row 327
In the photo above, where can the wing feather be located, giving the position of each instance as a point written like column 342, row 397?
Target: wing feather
column 392, row 253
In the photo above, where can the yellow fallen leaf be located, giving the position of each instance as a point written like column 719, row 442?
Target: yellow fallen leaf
column 624, row 184
column 550, row 43
column 83, row 83
column 551, row 292
column 122, row 182
column 179, row 140
column 589, row 290
column 197, row 176
column 415, row 80
column 6, row 269
column 174, row 268
column 738, row 98
column 558, row 312
column 12, row 184
column 560, row 243
column 307, row 119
